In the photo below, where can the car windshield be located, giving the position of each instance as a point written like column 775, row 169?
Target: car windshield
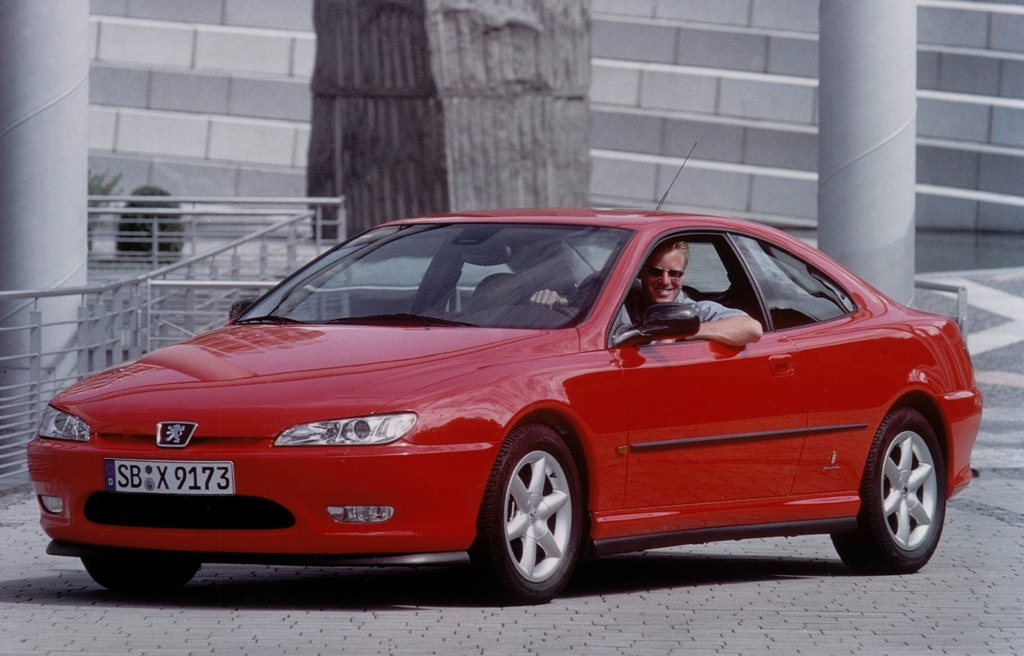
column 451, row 274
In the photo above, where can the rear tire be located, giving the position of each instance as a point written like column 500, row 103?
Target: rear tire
column 531, row 519
column 903, row 499
column 141, row 574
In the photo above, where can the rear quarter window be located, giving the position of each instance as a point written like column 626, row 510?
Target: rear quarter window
column 794, row 292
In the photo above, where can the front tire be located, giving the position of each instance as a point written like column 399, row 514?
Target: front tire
column 531, row 519
column 903, row 499
column 141, row 574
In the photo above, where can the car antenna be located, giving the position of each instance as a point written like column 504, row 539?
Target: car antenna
column 685, row 160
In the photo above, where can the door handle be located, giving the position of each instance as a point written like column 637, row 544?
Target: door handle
column 781, row 365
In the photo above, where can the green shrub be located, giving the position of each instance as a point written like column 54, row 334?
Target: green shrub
column 135, row 231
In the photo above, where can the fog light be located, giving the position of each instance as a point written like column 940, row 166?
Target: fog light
column 53, row 505
column 361, row 514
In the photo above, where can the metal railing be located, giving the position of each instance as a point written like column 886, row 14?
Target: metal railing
column 227, row 249
column 126, row 235
column 961, row 309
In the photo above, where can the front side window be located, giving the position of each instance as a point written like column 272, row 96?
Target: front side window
column 714, row 272
column 458, row 274
column 714, row 276
column 795, row 293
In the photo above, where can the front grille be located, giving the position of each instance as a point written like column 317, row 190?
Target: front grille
column 173, row 511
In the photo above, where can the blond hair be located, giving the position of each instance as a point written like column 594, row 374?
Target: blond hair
column 679, row 245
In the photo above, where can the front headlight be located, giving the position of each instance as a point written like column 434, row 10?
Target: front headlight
column 58, row 425
column 377, row 429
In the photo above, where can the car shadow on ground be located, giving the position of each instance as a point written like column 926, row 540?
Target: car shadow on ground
column 298, row 588
column 658, row 571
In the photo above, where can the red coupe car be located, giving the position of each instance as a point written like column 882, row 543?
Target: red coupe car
column 497, row 388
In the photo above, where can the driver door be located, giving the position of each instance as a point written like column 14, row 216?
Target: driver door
column 709, row 423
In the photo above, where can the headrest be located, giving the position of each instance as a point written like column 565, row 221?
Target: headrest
column 489, row 253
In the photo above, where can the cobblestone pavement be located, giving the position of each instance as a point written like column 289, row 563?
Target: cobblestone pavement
column 775, row 596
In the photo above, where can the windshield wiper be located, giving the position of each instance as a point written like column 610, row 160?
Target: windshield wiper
column 401, row 318
column 269, row 318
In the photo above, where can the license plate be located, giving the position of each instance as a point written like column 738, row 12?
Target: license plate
column 169, row 476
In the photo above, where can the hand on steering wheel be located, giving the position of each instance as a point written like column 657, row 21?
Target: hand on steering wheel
column 549, row 298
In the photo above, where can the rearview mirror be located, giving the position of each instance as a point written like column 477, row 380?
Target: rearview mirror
column 662, row 321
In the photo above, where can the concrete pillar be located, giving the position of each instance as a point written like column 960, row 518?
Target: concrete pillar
column 866, row 144
column 44, row 73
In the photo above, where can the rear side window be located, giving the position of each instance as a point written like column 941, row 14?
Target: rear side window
column 794, row 292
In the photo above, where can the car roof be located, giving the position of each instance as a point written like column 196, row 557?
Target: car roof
column 622, row 218
column 648, row 224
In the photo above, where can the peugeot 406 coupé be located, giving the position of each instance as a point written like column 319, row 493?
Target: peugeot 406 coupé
column 404, row 399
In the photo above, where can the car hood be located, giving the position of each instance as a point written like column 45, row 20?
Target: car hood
column 257, row 380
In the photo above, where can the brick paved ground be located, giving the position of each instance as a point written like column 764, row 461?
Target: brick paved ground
column 779, row 596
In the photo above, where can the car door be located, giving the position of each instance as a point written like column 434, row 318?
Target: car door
column 709, row 423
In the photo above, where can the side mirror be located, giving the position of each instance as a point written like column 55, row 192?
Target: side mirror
column 239, row 307
column 661, row 321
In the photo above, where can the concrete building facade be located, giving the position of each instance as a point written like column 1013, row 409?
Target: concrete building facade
column 211, row 97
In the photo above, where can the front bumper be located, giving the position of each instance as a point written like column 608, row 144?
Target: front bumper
column 435, row 492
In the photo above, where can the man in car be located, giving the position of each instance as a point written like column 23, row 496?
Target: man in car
column 661, row 280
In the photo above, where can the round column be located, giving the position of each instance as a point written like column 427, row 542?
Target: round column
column 866, row 144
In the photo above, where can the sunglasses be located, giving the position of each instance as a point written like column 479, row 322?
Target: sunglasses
column 657, row 272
